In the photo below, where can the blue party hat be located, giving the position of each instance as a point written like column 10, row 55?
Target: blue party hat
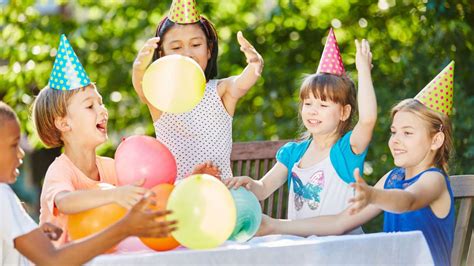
column 68, row 73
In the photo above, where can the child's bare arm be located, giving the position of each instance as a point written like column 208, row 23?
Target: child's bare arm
column 82, row 200
column 264, row 187
column 366, row 100
column 425, row 191
column 139, row 221
column 143, row 59
column 320, row 225
column 237, row 86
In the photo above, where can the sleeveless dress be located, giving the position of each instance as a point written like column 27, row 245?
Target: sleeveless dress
column 203, row 134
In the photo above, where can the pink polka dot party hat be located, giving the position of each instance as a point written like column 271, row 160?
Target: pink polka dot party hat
column 331, row 61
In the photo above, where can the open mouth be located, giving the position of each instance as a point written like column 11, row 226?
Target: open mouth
column 102, row 126
column 313, row 121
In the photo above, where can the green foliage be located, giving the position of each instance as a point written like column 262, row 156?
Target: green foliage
column 411, row 41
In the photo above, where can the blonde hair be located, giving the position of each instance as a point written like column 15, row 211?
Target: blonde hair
column 435, row 122
column 338, row 89
column 49, row 105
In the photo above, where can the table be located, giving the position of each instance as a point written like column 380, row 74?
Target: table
column 403, row 248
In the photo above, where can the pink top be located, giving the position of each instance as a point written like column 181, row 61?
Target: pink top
column 63, row 175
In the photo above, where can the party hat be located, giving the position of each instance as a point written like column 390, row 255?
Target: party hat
column 68, row 73
column 438, row 94
column 331, row 61
column 184, row 12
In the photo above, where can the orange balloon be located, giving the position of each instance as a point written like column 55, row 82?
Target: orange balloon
column 94, row 220
column 162, row 192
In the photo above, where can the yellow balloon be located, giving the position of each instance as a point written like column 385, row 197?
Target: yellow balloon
column 205, row 211
column 174, row 84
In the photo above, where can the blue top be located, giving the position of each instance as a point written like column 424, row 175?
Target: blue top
column 439, row 232
column 341, row 155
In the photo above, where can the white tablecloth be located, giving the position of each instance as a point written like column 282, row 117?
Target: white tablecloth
column 408, row 248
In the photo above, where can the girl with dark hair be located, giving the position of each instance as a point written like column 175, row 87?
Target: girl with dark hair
column 204, row 134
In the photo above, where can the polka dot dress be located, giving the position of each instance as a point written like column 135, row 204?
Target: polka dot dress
column 203, row 134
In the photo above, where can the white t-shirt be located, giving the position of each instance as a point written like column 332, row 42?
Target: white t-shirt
column 14, row 222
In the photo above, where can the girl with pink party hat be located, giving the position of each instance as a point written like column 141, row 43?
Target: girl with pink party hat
column 319, row 168
column 205, row 133
column 416, row 194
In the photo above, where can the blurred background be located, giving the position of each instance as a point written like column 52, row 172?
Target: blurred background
column 411, row 41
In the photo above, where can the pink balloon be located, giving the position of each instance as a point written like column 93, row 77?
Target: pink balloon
column 139, row 157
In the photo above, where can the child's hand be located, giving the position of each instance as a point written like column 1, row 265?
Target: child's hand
column 363, row 194
column 145, row 55
column 363, row 56
column 127, row 196
column 238, row 181
column 253, row 57
column 143, row 222
column 266, row 226
column 51, row 231
column 207, row 168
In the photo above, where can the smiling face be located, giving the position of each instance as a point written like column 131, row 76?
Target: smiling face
column 187, row 40
column 86, row 120
column 11, row 154
column 321, row 117
column 410, row 143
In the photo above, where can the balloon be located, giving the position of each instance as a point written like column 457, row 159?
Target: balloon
column 139, row 157
column 205, row 211
column 162, row 193
column 174, row 84
column 249, row 214
column 94, row 220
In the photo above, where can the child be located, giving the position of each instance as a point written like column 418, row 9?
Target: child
column 416, row 195
column 319, row 168
column 204, row 133
column 19, row 234
column 70, row 113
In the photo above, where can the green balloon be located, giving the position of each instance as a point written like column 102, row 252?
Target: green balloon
column 205, row 211
column 249, row 214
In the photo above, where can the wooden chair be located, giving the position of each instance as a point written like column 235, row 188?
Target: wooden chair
column 463, row 189
column 254, row 159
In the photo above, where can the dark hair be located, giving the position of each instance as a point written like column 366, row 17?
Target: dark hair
column 6, row 113
column 212, row 42
column 338, row 89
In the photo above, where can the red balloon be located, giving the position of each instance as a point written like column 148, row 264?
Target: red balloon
column 139, row 157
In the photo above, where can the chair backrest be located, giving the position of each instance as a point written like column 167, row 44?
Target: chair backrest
column 254, row 159
column 463, row 189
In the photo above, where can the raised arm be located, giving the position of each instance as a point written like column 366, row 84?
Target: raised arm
column 233, row 88
column 366, row 101
column 143, row 59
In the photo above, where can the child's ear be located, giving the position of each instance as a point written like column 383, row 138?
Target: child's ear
column 437, row 141
column 346, row 112
column 61, row 124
